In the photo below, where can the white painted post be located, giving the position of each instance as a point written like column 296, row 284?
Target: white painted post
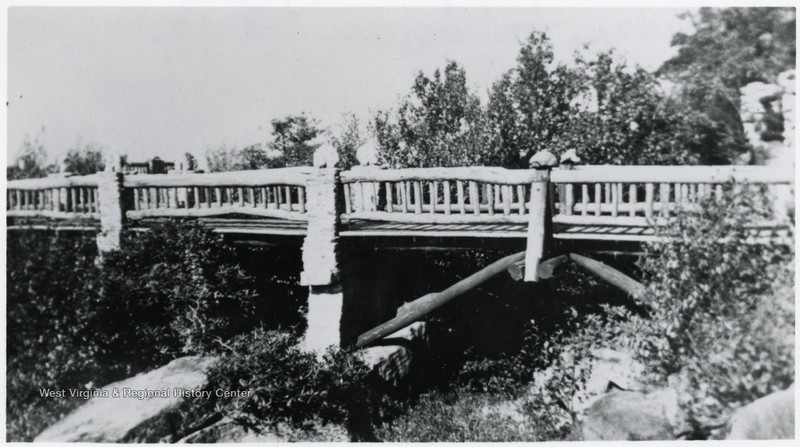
column 320, row 252
column 112, row 214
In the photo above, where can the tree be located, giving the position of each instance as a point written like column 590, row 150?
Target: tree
column 730, row 47
column 440, row 123
column 31, row 161
column 347, row 138
column 84, row 159
column 293, row 137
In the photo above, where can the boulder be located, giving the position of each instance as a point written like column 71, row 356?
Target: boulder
column 770, row 417
column 633, row 416
column 392, row 361
column 123, row 408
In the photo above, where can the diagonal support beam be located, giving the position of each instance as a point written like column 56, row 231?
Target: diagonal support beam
column 421, row 307
column 611, row 275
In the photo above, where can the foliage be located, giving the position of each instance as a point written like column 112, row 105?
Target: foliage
column 84, row 159
column 286, row 384
column 440, row 123
column 729, row 48
column 612, row 113
column 293, row 137
column 461, row 415
column 31, row 161
column 224, row 159
column 74, row 323
column 347, row 138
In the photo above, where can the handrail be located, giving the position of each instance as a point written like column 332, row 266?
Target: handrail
column 258, row 177
column 500, row 176
column 672, row 174
column 53, row 182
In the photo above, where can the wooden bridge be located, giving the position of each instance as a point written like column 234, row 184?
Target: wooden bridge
column 544, row 211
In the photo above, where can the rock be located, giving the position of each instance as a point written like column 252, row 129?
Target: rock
column 542, row 160
column 116, row 413
column 770, row 417
column 326, row 156
column 393, row 361
column 633, row 416
column 367, row 153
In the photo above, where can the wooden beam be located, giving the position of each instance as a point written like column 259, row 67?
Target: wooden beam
column 611, row 275
column 419, row 308
column 545, row 269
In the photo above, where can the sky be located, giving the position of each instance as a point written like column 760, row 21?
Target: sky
column 164, row 81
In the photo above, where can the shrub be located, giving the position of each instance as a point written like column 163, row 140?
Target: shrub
column 719, row 314
column 286, row 384
column 75, row 324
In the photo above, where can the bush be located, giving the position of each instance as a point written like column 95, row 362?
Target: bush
column 73, row 323
column 286, row 384
column 719, row 313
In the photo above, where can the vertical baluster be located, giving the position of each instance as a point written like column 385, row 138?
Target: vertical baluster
column 53, row 199
column 174, row 197
column 506, row 190
column 360, row 196
column 288, row 192
column 701, row 191
column 569, row 199
column 39, row 200
column 490, row 196
column 585, row 199
column 434, row 196
column 197, row 201
column 497, row 198
column 95, row 202
column 252, row 192
column 598, row 198
column 301, row 198
column 614, row 200
column 446, row 192
column 664, row 197
column 521, row 197
column 648, row 200
column 718, row 192
column 217, row 197
column 376, row 194
column 265, row 198
column 607, row 187
column 462, row 208
column 474, row 200
column 404, row 193
column 693, row 192
column 389, row 198
column 417, row 197
column 348, row 206
column 684, row 193
column 136, row 199
column 632, row 199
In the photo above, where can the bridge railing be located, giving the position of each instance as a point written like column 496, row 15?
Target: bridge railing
column 649, row 195
column 439, row 195
column 272, row 193
column 59, row 198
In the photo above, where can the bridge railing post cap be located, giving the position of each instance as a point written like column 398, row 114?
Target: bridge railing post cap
column 326, row 156
column 570, row 157
column 543, row 160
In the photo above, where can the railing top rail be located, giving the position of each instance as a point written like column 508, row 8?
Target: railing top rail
column 53, row 182
column 478, row 174
column 673, row 174
column 282, row 176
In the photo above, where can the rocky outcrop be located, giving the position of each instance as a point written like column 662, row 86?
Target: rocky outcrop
column 122, row 410
column 771, row 417
column 633, row 416
column 393, row 361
